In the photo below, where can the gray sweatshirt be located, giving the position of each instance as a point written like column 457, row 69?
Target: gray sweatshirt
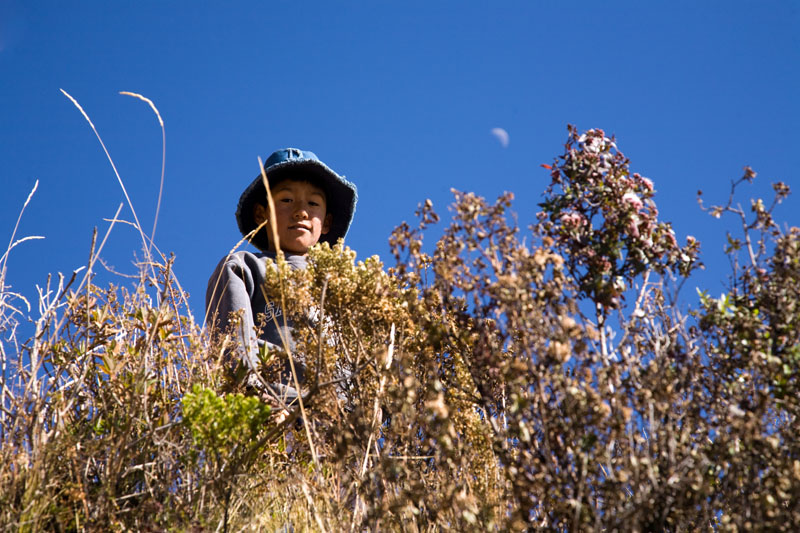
column 238, row 283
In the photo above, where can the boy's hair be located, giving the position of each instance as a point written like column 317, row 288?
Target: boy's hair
column 294, row 164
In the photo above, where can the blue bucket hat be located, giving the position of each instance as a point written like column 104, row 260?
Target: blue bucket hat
column 291, row 163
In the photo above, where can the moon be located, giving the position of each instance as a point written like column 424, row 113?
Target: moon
column 502, row 136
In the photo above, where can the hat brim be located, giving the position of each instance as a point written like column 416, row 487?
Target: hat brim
column 341, row 197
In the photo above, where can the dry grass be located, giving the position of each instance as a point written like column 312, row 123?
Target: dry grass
column 468, row 389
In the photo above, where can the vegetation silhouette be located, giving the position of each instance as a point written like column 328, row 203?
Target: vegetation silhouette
column 509, row 378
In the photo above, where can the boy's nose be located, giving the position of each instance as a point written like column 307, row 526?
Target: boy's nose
column 300, row 213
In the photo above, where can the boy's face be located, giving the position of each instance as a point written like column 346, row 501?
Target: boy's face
column 301, row 216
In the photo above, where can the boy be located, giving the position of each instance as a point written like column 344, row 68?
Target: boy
column 312, row 204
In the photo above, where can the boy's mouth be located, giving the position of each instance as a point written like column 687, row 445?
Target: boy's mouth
column 299, row 227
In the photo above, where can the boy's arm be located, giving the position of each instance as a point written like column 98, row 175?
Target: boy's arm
column 230, row 290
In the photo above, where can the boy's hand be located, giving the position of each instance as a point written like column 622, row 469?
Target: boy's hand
column 280, row 416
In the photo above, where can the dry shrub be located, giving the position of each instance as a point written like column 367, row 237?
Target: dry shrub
column 500, row 379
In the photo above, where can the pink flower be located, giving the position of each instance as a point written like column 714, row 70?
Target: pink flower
column 672, row 241
column 594, row 141
column 633, row 226
column 633, row 200
column 594, row 145
column 572, row 219
column 648, row 183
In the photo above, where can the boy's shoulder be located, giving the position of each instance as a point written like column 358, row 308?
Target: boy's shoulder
column 257, row 261
column 248, row 267
column 244, row 257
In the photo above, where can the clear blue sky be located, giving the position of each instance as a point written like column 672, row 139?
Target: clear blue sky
column 398, row 96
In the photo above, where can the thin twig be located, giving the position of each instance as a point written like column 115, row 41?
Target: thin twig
column 114, row 167
column 163, row 161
